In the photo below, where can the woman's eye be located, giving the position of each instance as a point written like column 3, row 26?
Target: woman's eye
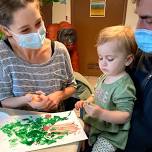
column 38, row 24
column 25, row 31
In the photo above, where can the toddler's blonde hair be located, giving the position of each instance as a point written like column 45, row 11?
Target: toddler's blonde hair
column 124, row 35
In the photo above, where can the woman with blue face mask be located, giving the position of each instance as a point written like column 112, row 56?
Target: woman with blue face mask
column 35, row 73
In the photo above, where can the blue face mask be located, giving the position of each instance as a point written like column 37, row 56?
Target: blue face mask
column 144, row 40
column 32, row 40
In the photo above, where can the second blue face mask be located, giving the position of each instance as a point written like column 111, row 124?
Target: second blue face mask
column 144, row 40
column 32, row 40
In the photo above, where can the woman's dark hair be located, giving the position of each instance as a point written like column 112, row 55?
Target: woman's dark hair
column 9, row 7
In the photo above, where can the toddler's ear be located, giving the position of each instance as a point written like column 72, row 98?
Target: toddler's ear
column 129, row 59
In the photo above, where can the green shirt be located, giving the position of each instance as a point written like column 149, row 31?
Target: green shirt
column 117, row 96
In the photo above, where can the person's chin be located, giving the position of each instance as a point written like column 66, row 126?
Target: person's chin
column 104, row 71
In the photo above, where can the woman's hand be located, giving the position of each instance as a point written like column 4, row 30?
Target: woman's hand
column 55, row 99
column 38, row 101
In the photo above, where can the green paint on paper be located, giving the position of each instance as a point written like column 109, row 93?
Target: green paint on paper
column 31, row 131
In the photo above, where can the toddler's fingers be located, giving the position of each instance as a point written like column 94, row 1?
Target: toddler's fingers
column 76, row 106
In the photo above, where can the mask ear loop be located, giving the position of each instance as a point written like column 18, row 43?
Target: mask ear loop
column 43, row 35
column 6, row 31
column 41, row 28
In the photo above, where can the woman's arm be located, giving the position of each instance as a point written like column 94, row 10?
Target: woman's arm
column 15, row 102
column 67, row 92
column 57, row 97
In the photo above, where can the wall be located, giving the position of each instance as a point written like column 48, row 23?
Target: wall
column 61, row 12
column 46, row 11
column 131, row 17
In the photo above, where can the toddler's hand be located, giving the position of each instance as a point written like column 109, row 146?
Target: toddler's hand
column 93, row 110
column 79, row 104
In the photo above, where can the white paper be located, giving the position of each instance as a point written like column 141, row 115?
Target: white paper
column 3, row 116
column 71, row 118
